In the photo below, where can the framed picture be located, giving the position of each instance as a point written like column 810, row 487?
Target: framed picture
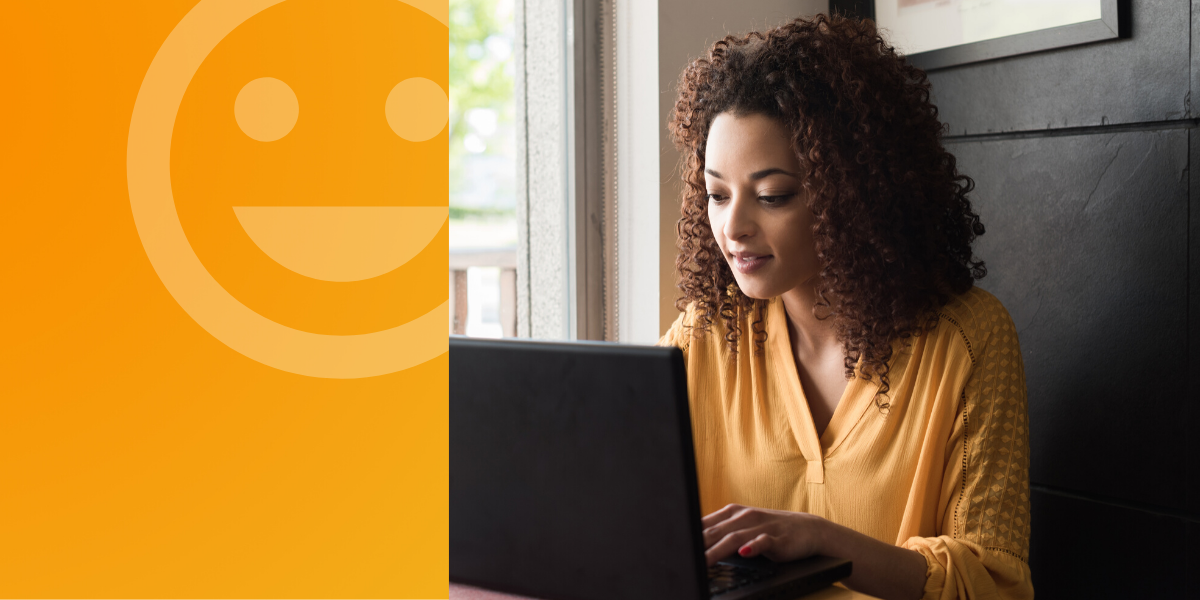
column 935, row 34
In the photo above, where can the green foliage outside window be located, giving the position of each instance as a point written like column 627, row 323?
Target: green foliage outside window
column 481, row 103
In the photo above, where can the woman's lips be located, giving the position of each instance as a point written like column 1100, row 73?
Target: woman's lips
column 749, row 263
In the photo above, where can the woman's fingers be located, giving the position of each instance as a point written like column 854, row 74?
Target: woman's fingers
column 716, row 517
column 732, row 517
column 778, row 535
column 731, row 543
column 761, row 544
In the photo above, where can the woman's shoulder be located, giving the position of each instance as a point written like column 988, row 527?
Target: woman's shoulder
column 687, row 326
column 977, row 316
column 694, row 325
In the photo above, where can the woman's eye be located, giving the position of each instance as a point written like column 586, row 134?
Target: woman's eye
column 773, row 200
column 716, row 198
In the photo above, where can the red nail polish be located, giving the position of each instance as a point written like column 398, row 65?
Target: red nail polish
column 744, row 550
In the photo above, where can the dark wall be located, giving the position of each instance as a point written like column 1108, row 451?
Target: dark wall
column 1083, row 162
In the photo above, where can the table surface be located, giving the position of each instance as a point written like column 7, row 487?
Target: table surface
column 466, row 592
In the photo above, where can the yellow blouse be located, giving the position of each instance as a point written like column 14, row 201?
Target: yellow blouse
column 945, row 472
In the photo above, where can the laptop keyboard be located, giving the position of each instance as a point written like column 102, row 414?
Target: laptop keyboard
column 724, row 577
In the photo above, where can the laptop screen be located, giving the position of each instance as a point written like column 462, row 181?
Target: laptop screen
column 571, row 471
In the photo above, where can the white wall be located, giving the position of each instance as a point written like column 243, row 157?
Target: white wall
column 638, row 126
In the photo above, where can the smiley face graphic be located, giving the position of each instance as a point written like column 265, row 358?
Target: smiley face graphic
column 286, row 167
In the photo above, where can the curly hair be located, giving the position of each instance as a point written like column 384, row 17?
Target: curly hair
column 893, row 226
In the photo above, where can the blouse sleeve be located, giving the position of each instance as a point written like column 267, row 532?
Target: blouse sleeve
column 983, row 551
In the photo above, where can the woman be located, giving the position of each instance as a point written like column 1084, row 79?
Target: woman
column 853, row 394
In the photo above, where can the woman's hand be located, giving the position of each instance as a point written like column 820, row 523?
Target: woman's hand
column 779, row 535
column 880, row 569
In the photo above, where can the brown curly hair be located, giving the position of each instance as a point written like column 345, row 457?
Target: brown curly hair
column 893, row 225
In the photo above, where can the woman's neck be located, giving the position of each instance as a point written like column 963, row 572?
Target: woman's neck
column 810, row 334
column 820, row 359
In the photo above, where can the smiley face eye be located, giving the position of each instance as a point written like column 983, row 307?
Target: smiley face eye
column 266, row 109
column 417, row 109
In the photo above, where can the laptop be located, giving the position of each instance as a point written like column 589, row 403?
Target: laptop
column 572, row 477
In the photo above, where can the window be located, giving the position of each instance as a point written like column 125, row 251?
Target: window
column 547, row 240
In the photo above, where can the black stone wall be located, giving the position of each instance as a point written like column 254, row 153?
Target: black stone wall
column 1087, row 165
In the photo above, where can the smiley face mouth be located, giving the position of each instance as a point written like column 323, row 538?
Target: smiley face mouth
column 341, row 243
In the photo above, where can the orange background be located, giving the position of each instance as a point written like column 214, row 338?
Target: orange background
column 140, row 456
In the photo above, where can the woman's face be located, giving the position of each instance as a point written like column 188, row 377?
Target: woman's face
column 757, row 207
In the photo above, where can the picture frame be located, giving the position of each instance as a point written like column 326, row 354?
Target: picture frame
column 1113, row 23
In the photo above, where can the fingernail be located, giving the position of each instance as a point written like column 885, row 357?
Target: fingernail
column 744, row 550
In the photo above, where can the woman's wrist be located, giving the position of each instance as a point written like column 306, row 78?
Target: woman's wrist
column 835, row 540
column 826, row 534
column 880, row 569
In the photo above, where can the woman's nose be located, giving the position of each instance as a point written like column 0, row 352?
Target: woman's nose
column 739, row 219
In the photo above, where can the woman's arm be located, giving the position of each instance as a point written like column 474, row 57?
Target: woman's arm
column 880, row 569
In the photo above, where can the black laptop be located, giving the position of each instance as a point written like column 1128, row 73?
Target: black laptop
column 572, row 477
